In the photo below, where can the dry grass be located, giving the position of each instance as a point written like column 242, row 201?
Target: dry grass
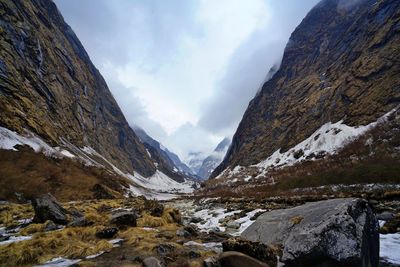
column 11, row 213
column 33, row 174
column 169, row 216
column 70, row 243
column 356, row 163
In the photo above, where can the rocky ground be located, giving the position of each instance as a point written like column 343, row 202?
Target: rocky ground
column 140, row 232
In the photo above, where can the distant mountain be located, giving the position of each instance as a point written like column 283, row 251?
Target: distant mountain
column 165, row 160
column 195, row 160
column 213, row 160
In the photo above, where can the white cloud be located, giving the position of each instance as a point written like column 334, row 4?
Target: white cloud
column 184, row 70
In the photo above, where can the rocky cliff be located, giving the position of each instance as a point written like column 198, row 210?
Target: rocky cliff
column 49, row 87
column 341, row 63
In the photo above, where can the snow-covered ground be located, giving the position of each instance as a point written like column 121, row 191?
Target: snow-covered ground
column 390, row 248
column 328, row 139
column 158, row 186
column 161, row 183
column 9, row 139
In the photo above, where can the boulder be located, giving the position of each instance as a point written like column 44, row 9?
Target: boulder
column 108, row 232
column 196, row 220
column 157, row 210
column 182, row 233
column 4, row 238
column 124, row 218
column 164, row 249
column 257, row 250
column 211, row 262
column 102, row 192
column 151, row 262
column 80, row 222
column 233, row 225
column 336, row 232
column 192, row 229
column 385, row 216
column 49, row 226
column 47, row 208
column 237, row 259
column 391, row 226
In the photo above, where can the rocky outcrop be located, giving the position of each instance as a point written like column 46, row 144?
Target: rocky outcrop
column 49, row 86
column 48, row 209
column 337, row 232
column 341, row 63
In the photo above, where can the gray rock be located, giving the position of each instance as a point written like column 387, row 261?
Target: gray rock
column 108, row 232
column 192, row 229
column 182, row 233
column 385, row 216
column 196, row 220
column 125, row 218
column 237, row 259
column 164, row 249
column 80, row 222
column 211, row 262
column 325, row 233
column 233, row 225
column 47, row 208
column 50, row 226
column 151, row 262
column 4, row 238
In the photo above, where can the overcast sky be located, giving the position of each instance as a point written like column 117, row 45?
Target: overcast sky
column 184, row 70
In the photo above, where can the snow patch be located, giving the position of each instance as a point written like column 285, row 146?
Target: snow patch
column 245, row 222
column 327, row 140
column 161, row 183
column 9, row 139
column 390, row 248
column 14, row 239
column 59, row 262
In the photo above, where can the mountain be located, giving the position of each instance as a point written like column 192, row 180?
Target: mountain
column 166, row 161
column 55, row 101
column 195, row 160
column 213, row 160
column 338, row 78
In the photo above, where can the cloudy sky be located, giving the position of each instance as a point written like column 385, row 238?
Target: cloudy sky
column 184, row 70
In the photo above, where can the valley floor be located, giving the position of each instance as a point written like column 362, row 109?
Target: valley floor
column 186, row 239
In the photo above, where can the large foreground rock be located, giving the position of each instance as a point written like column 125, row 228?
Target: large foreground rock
column 47, row 208
column 337, row 232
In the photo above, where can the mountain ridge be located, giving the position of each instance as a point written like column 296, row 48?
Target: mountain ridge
column 50, row 87
column 332, row 69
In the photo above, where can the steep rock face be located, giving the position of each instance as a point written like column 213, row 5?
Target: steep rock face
column 213, row 160
column 342, row 62
column 49, row 86
column 164, row 159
